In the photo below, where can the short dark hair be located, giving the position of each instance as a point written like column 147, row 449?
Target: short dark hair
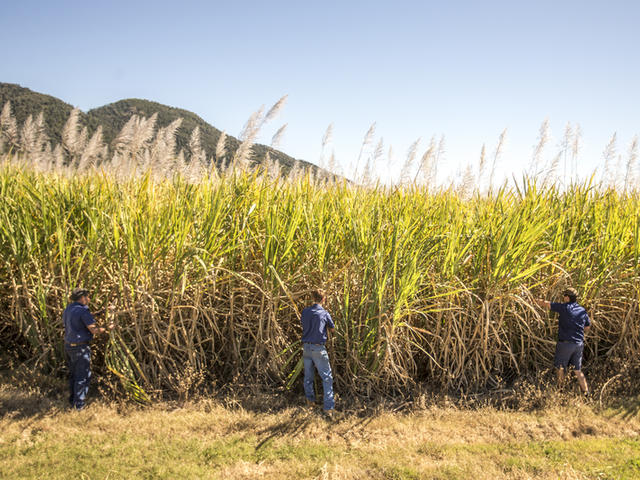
column 317, row 295
column 78, row 293
column 572, row 293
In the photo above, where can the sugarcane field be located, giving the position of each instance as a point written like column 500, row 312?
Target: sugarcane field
column 177, row 302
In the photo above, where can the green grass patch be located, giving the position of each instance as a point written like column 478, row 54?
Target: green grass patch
column 93, row 455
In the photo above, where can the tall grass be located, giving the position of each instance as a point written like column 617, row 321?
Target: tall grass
column 209, row 278
column 209, row 266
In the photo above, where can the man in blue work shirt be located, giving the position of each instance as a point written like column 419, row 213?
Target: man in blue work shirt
column 79, row 329
column 573, row 322
column 316, row 322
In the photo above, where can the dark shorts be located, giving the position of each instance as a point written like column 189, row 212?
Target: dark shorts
column 568, row 354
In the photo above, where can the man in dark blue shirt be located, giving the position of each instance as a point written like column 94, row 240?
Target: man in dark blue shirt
column 316, row 323
column 573, row 322
column 79, row 329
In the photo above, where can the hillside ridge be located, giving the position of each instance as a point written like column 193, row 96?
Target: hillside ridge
column 113, row 116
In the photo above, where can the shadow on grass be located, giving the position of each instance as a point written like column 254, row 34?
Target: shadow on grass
column 301, row 419
column 627, row 408
column 289, row 427
column 29, row 395
column 17, row 405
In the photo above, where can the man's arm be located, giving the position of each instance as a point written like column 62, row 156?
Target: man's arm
column 330, row 333
column 330, row 324
column 543, row 303
column 90, row 323
column 587, row 323
column 96, row 330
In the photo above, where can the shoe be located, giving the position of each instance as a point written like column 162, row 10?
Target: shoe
column 329, row 414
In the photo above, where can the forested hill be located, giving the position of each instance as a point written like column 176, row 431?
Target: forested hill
column 114, row 116
column 24, row 102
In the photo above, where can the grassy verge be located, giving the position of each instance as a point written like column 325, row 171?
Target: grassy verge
column 208, row 440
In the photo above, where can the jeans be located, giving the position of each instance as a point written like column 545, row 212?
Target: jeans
column 316, row 357
column 79, row 362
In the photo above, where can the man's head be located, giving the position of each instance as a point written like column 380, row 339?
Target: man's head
column 571, row 294
column 318, row 295
column 80, row 295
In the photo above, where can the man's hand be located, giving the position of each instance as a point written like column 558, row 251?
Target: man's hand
column 543, row 303
column 95, row 330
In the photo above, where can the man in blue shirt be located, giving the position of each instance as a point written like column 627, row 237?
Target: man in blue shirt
column 79, row 329
column 316, row 323
column 573, row 322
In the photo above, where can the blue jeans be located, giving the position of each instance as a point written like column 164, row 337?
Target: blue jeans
column 79, row 362
column 316, row 357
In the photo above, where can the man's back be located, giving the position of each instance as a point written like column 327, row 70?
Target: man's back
column 76, row 318
column 315, row 321
column 572, row 320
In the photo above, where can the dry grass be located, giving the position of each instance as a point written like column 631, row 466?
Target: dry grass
column 207, row 439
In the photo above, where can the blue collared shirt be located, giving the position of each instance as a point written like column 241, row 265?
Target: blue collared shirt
column 76, row 318
column 571, row 322
column 315, row 321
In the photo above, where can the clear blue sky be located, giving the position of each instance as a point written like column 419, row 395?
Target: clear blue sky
column 465, row 69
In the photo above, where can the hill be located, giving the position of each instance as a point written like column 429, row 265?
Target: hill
column 114, row 116
column 25, row 102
